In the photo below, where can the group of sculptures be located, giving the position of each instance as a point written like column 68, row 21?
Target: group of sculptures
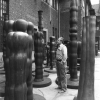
column 17, row 54
column 18, row 44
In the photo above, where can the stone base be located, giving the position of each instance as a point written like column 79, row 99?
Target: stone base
column 45, row 74
column 35, row 97
column 38, row 97
column 50, row 70
column 39, row 84
column 2, row 93
column 70, row 84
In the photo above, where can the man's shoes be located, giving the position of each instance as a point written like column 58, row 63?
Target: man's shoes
column 62, row 91
column 58, row 87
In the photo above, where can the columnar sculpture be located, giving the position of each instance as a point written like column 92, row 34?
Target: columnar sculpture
column 39, row 80
column 40, row 22
column 83, row 59
column 73, row 44
column 38, row 56
column 52, row 58
column 86, row 84
column 52, row 52
column 18, row 84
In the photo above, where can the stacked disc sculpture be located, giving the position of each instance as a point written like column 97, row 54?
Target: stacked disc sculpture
column 73, row 80
column 52, row 56
column 40, row 80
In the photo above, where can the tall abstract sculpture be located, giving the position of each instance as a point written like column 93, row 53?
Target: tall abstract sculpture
column 83, row 59
column 52, row 52
column 86, row 84
column 40, row 22
column 73, row 81
column 38, row 56
column 52, row 56
column 16, row 63
column 39, row 80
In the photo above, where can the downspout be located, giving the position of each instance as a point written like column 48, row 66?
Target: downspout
column 58, row 18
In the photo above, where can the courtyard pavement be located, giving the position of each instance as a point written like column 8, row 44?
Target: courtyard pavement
column 51, row 93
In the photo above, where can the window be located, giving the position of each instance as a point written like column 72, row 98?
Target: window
column 47, row 1
column 55, row 32
column 3, row 9
column 52, row 3
column 45, row 33
column 4, row 15
column 55, row 4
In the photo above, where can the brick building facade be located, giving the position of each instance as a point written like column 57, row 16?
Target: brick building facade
column 65, row 18
column 28, row 10
column 56, row 15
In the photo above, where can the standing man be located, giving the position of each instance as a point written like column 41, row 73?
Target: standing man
column 61, row 57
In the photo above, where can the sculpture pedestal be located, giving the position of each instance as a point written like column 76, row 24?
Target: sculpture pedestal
column 39, row 84
column 2, row 91
column 35, row 96
column 45, row 74
column 38, row 97
column 50, row 70
column 72, row 84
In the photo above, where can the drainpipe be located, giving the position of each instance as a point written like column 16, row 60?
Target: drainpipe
column 58, row 18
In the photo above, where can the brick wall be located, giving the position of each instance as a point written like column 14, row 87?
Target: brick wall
column 28, row 10
column 65, row 18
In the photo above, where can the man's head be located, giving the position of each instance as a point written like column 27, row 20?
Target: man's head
column 60, row 40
